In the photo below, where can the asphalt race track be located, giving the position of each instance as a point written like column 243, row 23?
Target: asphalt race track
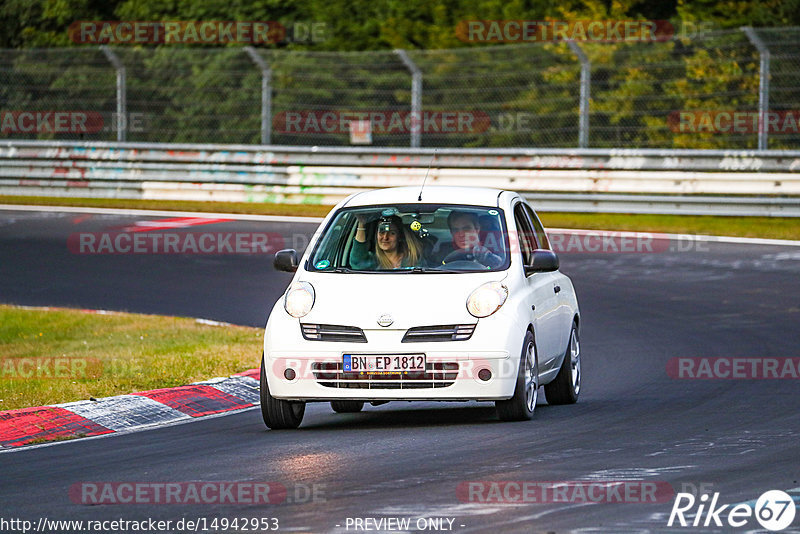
column 633, row 422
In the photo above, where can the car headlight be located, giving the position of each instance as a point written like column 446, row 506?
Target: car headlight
column 299, row 299
column 487, row 299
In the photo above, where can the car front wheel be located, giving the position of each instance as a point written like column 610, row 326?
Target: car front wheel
column 520, row 407
column 278, row 413
column 564, row 389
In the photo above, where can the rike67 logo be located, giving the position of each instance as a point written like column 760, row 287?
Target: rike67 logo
column 774, row 510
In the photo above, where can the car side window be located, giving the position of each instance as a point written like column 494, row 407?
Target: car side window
column 524, row 234
column 538, row 229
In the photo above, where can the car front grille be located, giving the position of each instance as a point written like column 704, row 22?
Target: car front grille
column 436, row 375
column 331, row 332
column 448, row 332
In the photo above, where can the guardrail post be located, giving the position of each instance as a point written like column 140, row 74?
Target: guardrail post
column 763, row 84
column 122, row 97
column 586, row 77
column 266, row 94
column 416, row 97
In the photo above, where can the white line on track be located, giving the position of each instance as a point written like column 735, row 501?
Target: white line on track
column 683, row 237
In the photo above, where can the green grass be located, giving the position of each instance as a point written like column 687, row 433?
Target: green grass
column 766, row 227
column 104, row 355
column 49, row 439
column 298, row 210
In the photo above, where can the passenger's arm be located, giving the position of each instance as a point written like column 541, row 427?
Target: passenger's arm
column 360, row 256
column 361, row 229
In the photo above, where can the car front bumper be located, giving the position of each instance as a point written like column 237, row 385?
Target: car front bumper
column 453, row 373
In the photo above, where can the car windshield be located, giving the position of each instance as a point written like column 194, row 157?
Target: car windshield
column 413, row 238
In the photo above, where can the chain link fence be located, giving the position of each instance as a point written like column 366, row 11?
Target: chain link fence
column 704, row 92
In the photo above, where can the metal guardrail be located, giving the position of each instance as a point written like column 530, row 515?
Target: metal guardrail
column 720, row 182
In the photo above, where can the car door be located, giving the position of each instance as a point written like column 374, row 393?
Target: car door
column 561, row 284
column 540, row 297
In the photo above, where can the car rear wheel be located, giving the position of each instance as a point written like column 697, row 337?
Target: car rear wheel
column 347, row 406
column 567, row 384
column 278, row 413
column 520, row 407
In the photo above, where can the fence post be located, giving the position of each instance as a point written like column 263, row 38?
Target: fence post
column 586, row 80
column 122, row 97
column 266, row 94
column 763, row 84
column 416, row 97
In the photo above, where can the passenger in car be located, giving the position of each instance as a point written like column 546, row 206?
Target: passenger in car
column 465, row 229
column 395, row 246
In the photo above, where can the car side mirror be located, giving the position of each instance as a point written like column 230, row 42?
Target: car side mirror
column 544, row 261
column 286, row 260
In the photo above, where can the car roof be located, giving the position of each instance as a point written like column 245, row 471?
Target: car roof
column 433, row 194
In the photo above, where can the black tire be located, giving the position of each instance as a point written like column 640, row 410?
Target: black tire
column 520, row 407
column 566, row 386
column 278, row 413
column 347, row 406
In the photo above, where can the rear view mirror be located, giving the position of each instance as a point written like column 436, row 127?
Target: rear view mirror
column 423, row 218
column 544, row 261
column 286, row 260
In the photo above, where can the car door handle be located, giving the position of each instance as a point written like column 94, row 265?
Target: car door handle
column 556, row 289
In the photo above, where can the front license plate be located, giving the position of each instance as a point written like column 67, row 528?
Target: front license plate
column 383, row 363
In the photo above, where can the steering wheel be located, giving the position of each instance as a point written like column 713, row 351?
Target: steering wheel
column 458, row 260
column 457, row 255
column 466, row 265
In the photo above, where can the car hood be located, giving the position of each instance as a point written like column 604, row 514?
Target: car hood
column 410, row 299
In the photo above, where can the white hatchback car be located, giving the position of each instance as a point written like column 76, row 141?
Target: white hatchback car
column 445, row 294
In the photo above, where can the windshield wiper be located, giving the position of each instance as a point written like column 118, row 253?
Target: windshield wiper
column 412, row 270
column 432, row 270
